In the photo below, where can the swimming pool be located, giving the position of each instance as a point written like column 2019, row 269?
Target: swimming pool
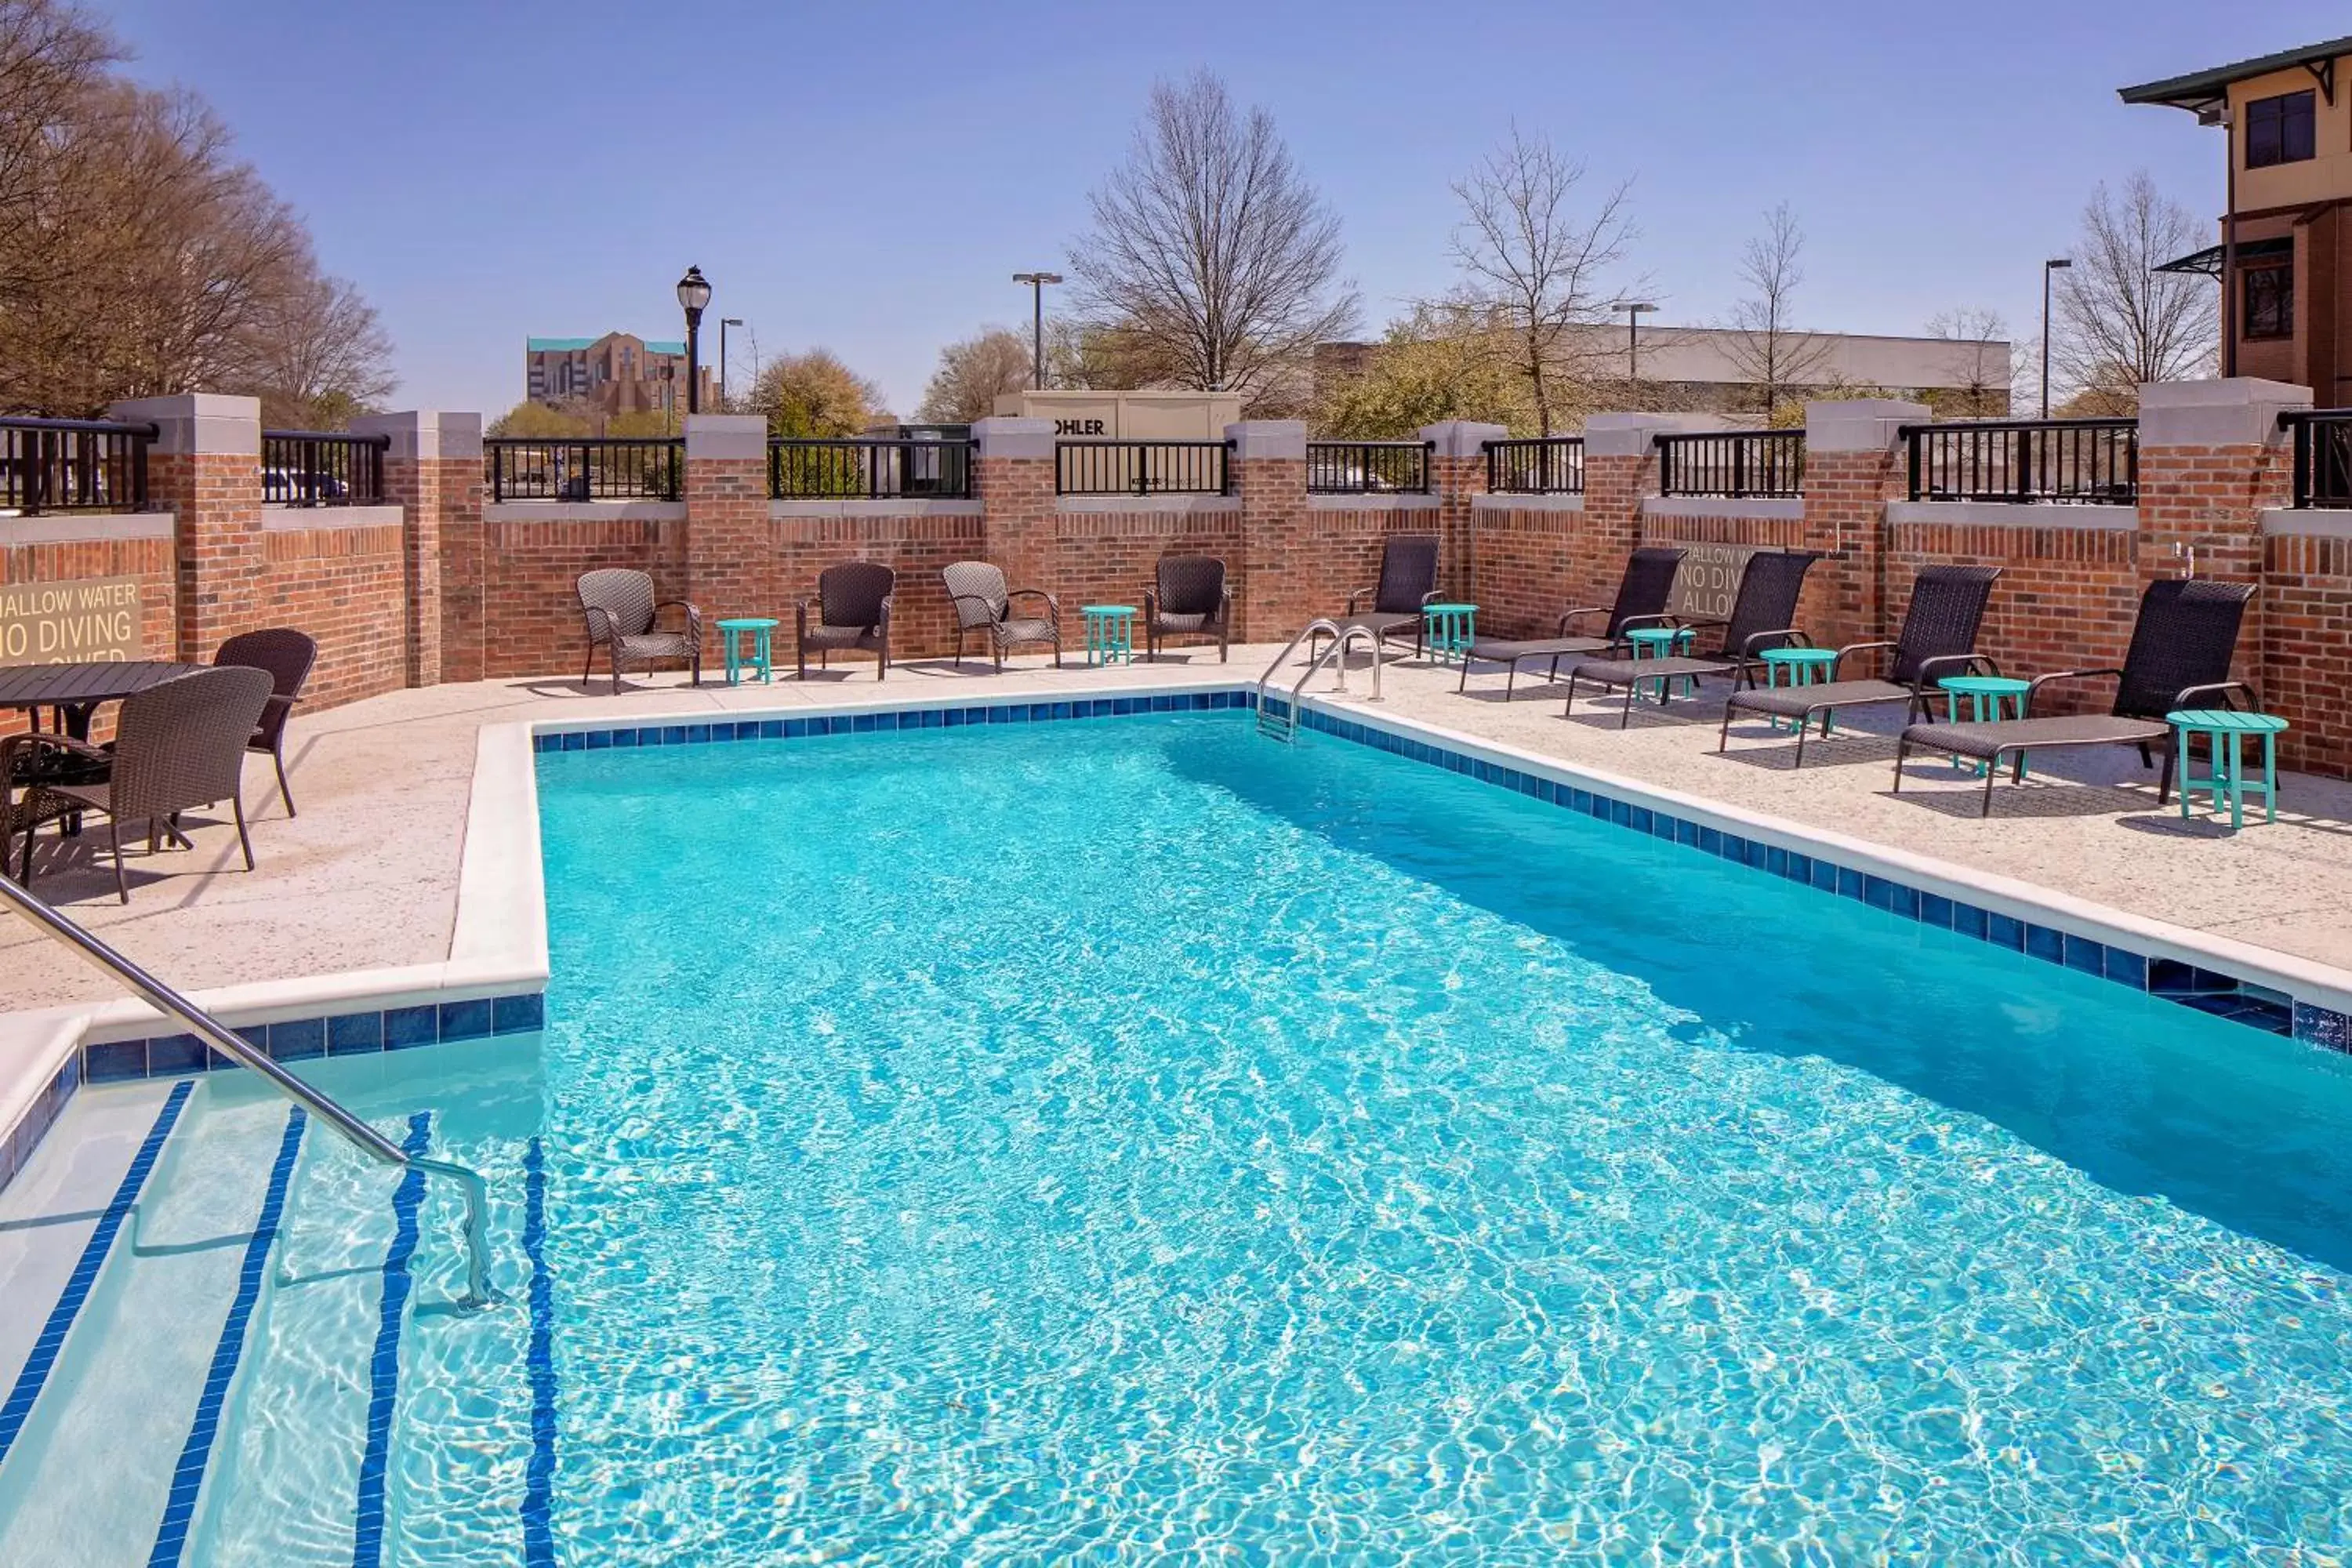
column 1133, row 1141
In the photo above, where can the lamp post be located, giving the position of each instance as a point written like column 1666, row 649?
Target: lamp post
column 1037, row 281
column 694, row 294
column 724, row 322
column 2056, row 264
column 1635, row 311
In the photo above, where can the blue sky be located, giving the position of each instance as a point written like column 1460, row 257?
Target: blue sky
column 866, row 178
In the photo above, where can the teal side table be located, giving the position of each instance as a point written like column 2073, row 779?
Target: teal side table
column 756, row 631
column 1661, row 642
column 1991, row 698
column 2225, row 735
column 1800, row 666
column 1448, row 630
column 1110, row 634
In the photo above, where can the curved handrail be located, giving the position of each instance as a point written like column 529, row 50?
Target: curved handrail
column 1342, row 638
column 226, row 1041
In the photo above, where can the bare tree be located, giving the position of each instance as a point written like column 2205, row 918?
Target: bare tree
column 1210, row 254
column 1536, row 265
column 319, row 355
column 2120, row 322
column 973, row 373
column 1766, row 347
column 1979, row 360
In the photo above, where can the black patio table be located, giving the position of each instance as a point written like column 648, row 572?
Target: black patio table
column 75, row 690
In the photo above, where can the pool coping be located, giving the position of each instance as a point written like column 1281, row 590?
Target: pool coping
column 494, row 980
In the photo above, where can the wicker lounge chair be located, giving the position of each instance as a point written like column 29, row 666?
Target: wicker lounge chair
column 287, row 654
column 853, row 613
column 1760, row 617
column 176, row 746
column 1642, row 595
column 1939, row 638
column 619, row 607
column 1189, row 597
column 1408, row 581
column 984, row 605
column 2179, row 657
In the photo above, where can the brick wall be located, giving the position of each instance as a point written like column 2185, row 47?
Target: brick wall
column 217, row 498
column 2065, row 599
column 922, row 621
column 2307, row 647
column 348, row 587
column 531, row 621
column 1523, row 564
column 1110, row 558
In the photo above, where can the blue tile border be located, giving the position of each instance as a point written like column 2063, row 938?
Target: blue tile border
column 539, row 1475
column 887, row 722
column 384, row 1366
column 188, row 1475
column 2208, row 991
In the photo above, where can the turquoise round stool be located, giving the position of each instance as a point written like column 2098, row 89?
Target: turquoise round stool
column 1800, row 666
column 1110, row 633
column 1448, row 630
column 2225, row 776
column 748, row 641
column 1661, row 642
column 1987, row 695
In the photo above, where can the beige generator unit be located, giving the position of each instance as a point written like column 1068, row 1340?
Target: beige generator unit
column 1128, row 416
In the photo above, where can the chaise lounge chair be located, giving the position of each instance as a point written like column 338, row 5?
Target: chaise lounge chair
column 1642, row 595
column 1939, row 638
column 2179, row 657
column 1760, row 619
column 1392, row 605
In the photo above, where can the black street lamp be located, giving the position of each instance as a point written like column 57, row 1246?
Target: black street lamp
column 2056, row 264
column 1635, row 311
column 1037, row 281
column 694, row 294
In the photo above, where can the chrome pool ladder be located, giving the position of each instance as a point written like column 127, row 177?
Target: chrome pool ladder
column 1284, row 725
column 229, row 1043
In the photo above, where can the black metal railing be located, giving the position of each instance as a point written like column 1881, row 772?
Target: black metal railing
column 1368, row 467
column 2322, row 456
column 1546, row 466
column 322, row 468
column 72, row 465
column 1139, row 468
column 607, row 468
column 1732, row 463
column 2070, row 461
column 869, row 469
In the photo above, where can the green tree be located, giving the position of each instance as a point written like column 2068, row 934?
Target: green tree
column 1443, row 362
column 814, row 395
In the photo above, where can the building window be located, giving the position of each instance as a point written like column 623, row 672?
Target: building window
column 2279, row 129
column 2269, row 302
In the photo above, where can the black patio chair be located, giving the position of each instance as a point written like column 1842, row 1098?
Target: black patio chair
column 984, row 605
column 289, row 656
column 176, row 747
column 1643, row 593
column 1189, row 597
column 1939, row 638
column 618, row 604
column 2181, row 648
column 1761, row 617
column 853, row 613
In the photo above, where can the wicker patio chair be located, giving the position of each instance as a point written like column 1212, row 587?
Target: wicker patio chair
column 853, row 612
column 1392, row 605
column 619, row 605
column 984, row 605
column 1189, row 597
column 2182, row 646
column 1643, row 593
column 1939, row 638
column 1761, row 617
column 176, row 747
column 287, row 654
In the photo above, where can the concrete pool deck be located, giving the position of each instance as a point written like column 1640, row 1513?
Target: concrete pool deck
column 366, row 877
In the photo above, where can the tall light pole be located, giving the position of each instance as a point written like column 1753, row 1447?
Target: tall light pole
column 1635, row 311
column 1037, row 281
column 2056, row 264
column 724, row 322
column 694, row 294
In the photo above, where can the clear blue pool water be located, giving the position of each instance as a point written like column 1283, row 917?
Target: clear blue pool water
column 1134, row 1141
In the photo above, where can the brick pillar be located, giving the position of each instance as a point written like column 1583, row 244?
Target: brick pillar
column 205, row 468
column 1855, row 462
column 1015, row 479
column 1457, row 474
column 433, row 471
column 1284, row 582
column 1621, row 472
column 729, row 565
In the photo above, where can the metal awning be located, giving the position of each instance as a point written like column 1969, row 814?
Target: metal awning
column 2209, row 260
column 2206, row 93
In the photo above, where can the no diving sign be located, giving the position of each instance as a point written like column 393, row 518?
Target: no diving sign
column 90, row 620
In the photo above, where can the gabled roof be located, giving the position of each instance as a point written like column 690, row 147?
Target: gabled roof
column 2200, row 92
